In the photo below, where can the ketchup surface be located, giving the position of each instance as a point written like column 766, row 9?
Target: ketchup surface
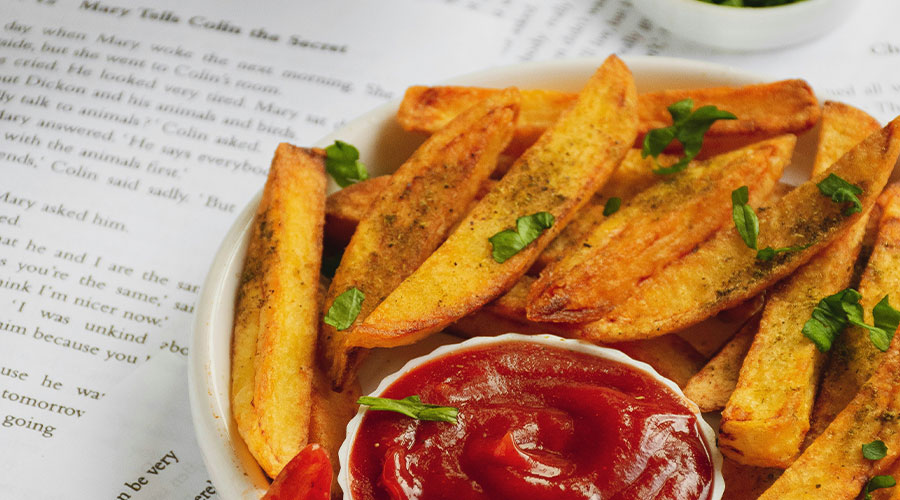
column 535, row 422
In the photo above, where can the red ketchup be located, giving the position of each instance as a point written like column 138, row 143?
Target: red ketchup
column 535, row 422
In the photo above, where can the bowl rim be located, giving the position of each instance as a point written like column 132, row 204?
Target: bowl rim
column 211, row 416
column 708, row 435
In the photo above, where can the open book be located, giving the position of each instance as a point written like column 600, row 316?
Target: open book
column 131, row 136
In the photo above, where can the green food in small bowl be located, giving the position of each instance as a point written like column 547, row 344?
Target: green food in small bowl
column 751, row 3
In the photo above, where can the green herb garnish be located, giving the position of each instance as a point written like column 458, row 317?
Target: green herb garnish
column 687, row 128
column 744, row 217
column 877, row 483
column 751, row 3
column 876, row 450
column 833, row 313
column 507, row 243
column 612, row 206
column 412, row 406
column 841, row 191
column 342, row 163
column 345, row 309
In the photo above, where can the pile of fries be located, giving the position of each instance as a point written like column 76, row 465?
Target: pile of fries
column 537, row 212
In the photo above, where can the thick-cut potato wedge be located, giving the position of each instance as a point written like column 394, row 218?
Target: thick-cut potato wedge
column 833, row 466
column 276, row 321
column 841, row 128
column 711, row 387
column 767, row 416
column 631, row 177
column 743, row 482
column 426, row 196
column 329, row 414
column 657, row 227
column 556, row 175
column 724, row 272
column 345, row 208
column 670, row 355
column 853, row 357
column 763, row 110
column 710, row 336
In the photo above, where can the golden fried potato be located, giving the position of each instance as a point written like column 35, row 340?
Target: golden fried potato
column 723, row 271
column 743, row 482
column 763, row 110
column 345, row 208
column 330, row 412
column 711, row 387
column 426, row 196
column 557, row 175
column 657, row 227
column 632, row 176
column 853, row 358
column 767, row 416
column 276, row 321
column 833, row 466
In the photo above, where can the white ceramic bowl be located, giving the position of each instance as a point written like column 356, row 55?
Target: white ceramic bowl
column 383, row 146
column 746, row 28
column 707, row 432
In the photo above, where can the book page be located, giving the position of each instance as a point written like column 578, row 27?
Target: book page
column 130, row 137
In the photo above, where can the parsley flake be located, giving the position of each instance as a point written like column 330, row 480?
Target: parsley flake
column 412, row 406
column 833, row 313
column 612, row 206
column 841, row 191
column 877, row 483
column 507, row 243
column 687, row 128
column 345, row 309
column 342, row 163
column 744, row 217
column 876, row 450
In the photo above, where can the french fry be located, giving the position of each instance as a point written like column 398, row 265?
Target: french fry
column 743, row 482
column 426, row 196
column 345, row 208
column 853, row 357
column 763, row 110
column 632, row 176
column 723, row 271
column 330, row 412
column 711, row 387
column 276, row 320
column 710, row 336
column 842, row 127
column 767, row 416
column 655, row 228
column 670, row 355
column 556, row 175
column 833, row 466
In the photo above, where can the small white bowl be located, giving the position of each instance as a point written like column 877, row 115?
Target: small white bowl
column 707, row 433
column 747, row 28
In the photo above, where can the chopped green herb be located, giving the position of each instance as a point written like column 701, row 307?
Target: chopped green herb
column 687, row 128
column 507, row 243
column 612, row 206
column 769, row 253
column 345, row 309
column 841, row 191
column 876, row 450
column 342, row 163
column 412, row 406
column 751, row 3
column 877, row 483
column 835, row 312
column 744, row 217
